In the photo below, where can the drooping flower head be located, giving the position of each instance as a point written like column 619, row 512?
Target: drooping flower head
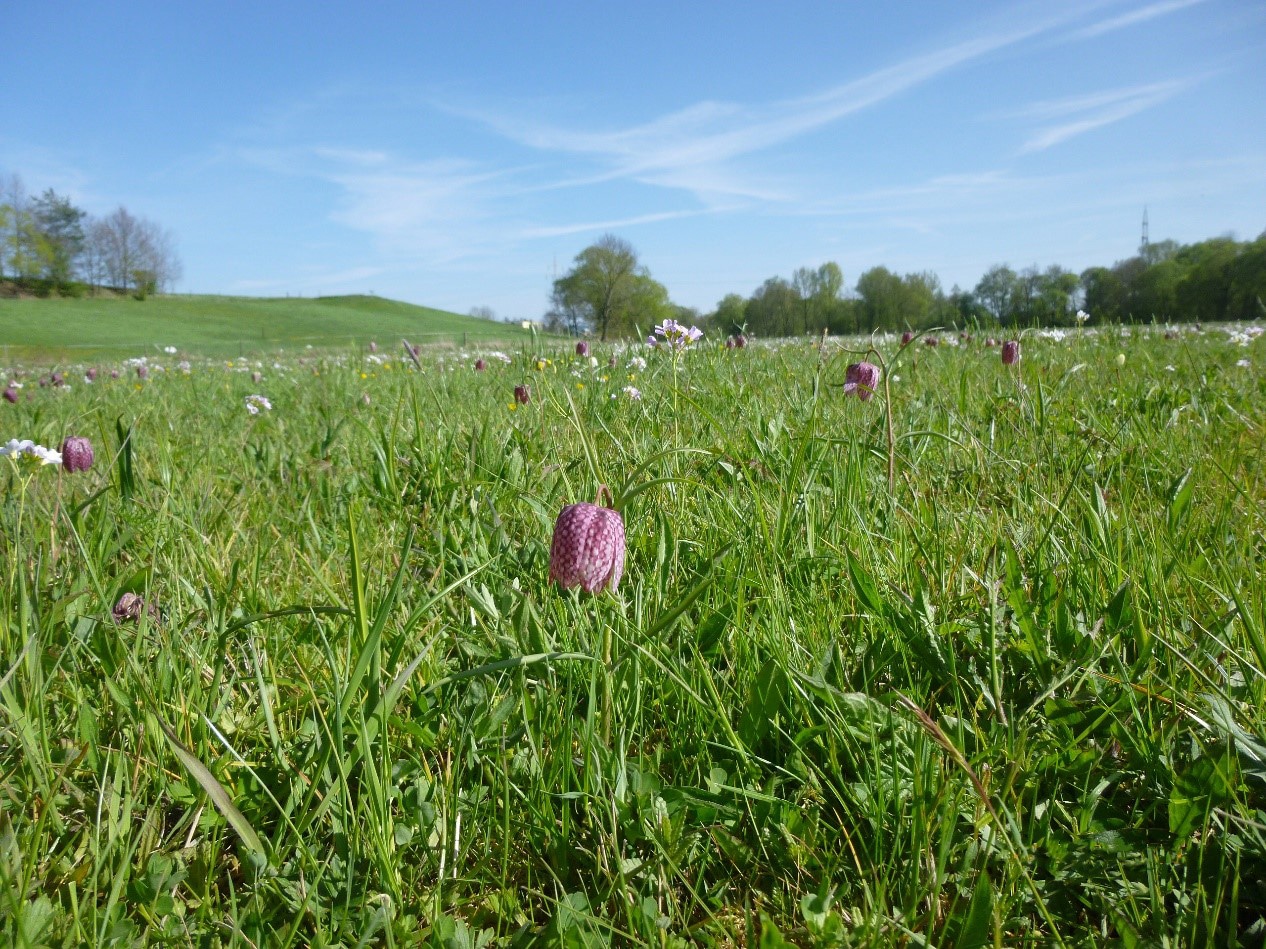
column 76, row 454
column 906, row 338
column 582, row 348
column 91, row 375
column 480, row 365
column 861, row 378
column 931, row 341
column 740, row 341
column 10, row 394
column 729, row 342
column 522, row 394
column 1011, row 352
column 677, row 335
column 588, row 547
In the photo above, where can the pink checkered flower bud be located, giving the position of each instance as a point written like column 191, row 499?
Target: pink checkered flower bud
column 1011, row 352
column 906, row 338
column 76, row 454
column 862, row 378
column 523, row 394
column 582, row 348
column 588, row 547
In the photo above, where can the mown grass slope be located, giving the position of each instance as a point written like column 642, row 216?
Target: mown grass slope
column 219, row 325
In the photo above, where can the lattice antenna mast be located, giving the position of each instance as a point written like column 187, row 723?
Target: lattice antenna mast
column 1145, row 243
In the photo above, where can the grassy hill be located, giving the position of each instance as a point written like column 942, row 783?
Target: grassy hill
column 216, row 325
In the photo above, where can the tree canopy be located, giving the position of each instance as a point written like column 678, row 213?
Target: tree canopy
column 607, row 291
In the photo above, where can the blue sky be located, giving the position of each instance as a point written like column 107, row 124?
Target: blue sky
column 456, row 154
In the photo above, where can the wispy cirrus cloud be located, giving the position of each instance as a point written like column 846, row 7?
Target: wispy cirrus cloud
column 1085, row 113
column 1132, row 18
column 693, row 149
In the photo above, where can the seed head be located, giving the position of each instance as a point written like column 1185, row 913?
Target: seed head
column 76, row 454
column 862, row 378
column 1011, row 352
column 588, row 548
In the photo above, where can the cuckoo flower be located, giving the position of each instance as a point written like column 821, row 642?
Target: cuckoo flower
column 862, row 378
column 76, row 454
column 677, row 335
column 588, row 547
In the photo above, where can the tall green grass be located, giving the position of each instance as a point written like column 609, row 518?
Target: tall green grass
column 1017, row 700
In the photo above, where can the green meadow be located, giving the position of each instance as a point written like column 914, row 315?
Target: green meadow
column 119, row 326
column 980, row 661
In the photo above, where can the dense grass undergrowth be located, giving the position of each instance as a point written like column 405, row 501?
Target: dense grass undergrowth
column 1014, row 698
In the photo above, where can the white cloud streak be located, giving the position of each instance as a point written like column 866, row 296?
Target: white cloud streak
column 1133, row 18
column 1094, row 111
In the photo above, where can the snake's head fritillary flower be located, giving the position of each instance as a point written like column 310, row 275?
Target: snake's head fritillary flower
column 1011, row 352
column 142, row 372
column 91, row 375
column 861, row 378
column 932, row 341
column 130, row 607
column 729, row 342
column 906, row 337
column 373, row 347
column 740, row 341
column 522, row 394
column 588, row 548
column 76, row 454
column 10, row 394
column 611, row 363
column 480, row 365
column 582, row 348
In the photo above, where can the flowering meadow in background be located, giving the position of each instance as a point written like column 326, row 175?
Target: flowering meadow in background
column 866, row 642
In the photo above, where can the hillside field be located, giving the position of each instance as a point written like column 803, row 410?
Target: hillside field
column 69, row 329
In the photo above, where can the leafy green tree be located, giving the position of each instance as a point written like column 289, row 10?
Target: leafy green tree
column 60, row 226
column 774, row 309
column 996, row 290
column 730, row 316
column 608, row 289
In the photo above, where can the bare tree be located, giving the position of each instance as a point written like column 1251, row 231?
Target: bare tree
column 134, row 253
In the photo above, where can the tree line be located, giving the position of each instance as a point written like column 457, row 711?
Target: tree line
column 48, row 245
column 608, row 292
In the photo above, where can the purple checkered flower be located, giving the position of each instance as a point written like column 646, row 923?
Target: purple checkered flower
column 582, row 348
column 1011, row 352
column 76, row 454
column 480, row 365
column 522, row 394
column 588, row 548
column 862, row 378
